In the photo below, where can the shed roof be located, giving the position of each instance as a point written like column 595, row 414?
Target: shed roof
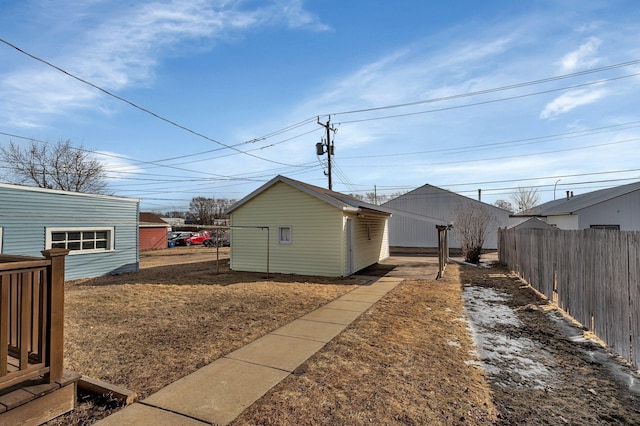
column 434, row 192
column 67, row 193
column 576, row 203
column 151, row 220
column 341, row 201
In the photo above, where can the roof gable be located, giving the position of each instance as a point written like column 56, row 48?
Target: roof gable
column 66, row 193
column 534, row 223
column 427, row 190
column 338, row 200
column 151, row 218
column 576, row 203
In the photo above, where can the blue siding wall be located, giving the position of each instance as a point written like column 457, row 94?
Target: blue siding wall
column 26, row 213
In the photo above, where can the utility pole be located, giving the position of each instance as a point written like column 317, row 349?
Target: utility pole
column 320, row 147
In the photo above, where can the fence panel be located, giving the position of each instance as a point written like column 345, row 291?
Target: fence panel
column 634, row 296
column 592, row 274
column 611, row 301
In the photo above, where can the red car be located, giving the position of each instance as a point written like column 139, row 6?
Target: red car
column 194, row 238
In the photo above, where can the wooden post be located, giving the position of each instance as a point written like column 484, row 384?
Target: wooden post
column 217, row 239
column 4, row 324
column 268, row 244
column 55, row 309
column 442, row 249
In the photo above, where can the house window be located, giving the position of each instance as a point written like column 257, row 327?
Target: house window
column 606, row 227
column 284, row 234
column 81, row 240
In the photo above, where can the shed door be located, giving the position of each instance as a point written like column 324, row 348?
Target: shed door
column 349, row 245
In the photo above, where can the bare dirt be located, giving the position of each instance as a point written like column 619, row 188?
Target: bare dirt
column 542, row 370
column 478, row 347
column 411, row 359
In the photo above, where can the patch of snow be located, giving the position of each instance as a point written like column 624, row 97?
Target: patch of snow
column 487, row 307
column 511, row 362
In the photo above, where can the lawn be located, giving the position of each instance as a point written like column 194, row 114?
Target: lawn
column 411, row 359
column 144, row 330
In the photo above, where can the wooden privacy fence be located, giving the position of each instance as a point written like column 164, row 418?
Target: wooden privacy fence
column 31, row 317
column 594, row 275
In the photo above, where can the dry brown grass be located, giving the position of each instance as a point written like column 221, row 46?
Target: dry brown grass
column 401, row 362
column 408, row 360
column 147, row 329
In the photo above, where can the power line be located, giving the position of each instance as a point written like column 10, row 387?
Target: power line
column 153, row 163
column 515, row 142
column 121, row 157
column 507, row 157
column 496, row 89
column 251, row 141
column 134, row 105
column 510, row 98
column 479, row 183
column 538, row 153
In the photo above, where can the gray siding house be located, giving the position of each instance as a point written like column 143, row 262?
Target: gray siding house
column 416, row 214
column 612, row 208
column 100, row 231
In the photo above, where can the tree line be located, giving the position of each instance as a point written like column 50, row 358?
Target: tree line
column 202, row 210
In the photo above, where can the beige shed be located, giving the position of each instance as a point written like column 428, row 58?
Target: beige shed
column 296, row 228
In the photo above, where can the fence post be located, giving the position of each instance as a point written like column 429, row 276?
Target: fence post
column 443, row 249
column 55, row 312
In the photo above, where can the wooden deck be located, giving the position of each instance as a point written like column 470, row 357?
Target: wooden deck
column 34, row 387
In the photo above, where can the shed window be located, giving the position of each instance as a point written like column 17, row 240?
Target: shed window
column 81, row 240
column 284, row 234
column 369, row 232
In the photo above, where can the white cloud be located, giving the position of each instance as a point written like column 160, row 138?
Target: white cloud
column 583, row 57
column 295, row 16
column 570, row 100
column 125, row 48
column 117, row 166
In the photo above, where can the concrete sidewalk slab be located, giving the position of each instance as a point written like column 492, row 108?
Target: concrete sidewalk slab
column 380, row 292
column 371, row 297
column 281, row 352
column 388, row 284
column 140, row 414
column 218, row 392
column 334, row 316
column 312, row 330
column 349, row 305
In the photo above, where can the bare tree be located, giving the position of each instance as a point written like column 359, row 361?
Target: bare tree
column 505, row 205
column 525, row 198
column 203, row 209
column 472, row 223
column 222, row 204
column 60, row 166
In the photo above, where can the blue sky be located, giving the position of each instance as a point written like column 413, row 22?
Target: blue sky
column 462, row 94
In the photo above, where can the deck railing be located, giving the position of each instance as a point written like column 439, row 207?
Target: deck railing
column 31, row 317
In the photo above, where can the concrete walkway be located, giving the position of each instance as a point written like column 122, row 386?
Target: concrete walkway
column 220, row 391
